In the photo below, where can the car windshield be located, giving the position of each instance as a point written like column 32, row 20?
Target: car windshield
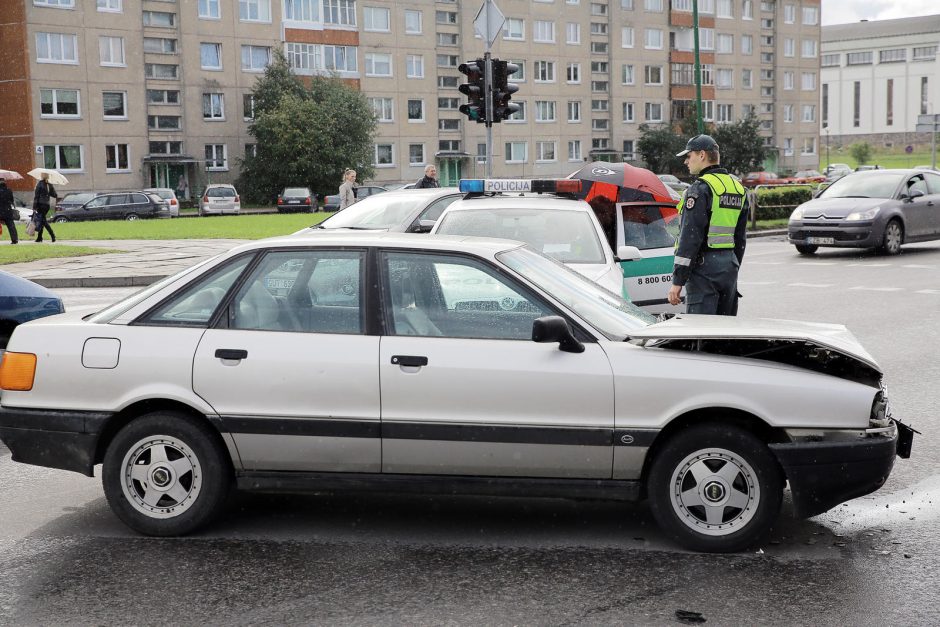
column 608, row 313
column 296, row 191
column 568, row 236
column 80, row 199
column 873, row 184
column 381, row 211
column 220, row 192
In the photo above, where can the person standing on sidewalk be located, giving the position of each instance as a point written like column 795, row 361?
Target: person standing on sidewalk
column 430, row 178
column 347, row 191
column 8, row 211
column 44, row 191
column 712, row 233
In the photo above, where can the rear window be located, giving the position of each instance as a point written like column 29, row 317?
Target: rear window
column 296, row 191
column 220, row 192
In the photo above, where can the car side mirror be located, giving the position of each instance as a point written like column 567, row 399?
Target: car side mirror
column 628, row 253
column 914, row 193
column 423, row 226
column 549, row 329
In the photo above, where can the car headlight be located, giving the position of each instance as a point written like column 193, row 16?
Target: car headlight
column 862, row 215
column 797, row 214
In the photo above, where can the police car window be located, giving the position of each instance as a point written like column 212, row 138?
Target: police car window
column 195, row 304
column 434, row 210
column 648, row 227
column 458, row 297
column 314, row 291
column 917, row 183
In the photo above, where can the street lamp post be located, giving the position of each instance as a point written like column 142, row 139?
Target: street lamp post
column 827, row 147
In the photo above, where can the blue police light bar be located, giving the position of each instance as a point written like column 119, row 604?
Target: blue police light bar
column 479, row 186
column 471, row 186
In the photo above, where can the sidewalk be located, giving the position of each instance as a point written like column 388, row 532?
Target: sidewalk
column 142, row 263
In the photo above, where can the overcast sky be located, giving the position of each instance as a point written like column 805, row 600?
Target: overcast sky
column 847, row 11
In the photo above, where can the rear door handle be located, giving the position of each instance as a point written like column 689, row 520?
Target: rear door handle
column 409, row 360
column 231, row 353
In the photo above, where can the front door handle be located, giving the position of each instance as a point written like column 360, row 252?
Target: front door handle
column 409, row 360
column 231, row 353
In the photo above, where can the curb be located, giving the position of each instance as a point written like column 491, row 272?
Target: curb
column 107, row 281
column 766, row 233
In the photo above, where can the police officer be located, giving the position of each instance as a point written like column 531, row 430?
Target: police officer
column 712, row 224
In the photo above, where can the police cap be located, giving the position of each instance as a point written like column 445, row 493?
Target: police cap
column 699, row 142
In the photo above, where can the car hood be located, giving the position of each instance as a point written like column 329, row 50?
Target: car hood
column 829, row 348
column 840, row 207
column 601, row 274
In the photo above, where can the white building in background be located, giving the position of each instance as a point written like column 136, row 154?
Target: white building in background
column 877, row 78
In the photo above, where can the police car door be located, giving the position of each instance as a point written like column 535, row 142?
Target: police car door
column 652, row 227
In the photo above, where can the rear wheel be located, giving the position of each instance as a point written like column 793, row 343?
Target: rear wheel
column 892, row 238
column 131, row 217
column 806, row 249
column 58, row 219
column 715, row 488
column 165, row 474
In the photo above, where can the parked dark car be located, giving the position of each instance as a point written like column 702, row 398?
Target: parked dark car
column 880, row 209
column 331, row 202
column 297, row 199
column 21, row 300
column 74, row 200
column 116, row 206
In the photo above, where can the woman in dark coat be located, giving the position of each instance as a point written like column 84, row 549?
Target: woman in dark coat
column 44, row 191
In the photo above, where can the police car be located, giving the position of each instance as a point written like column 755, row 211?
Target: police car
column 544, row 214
column 652, row 227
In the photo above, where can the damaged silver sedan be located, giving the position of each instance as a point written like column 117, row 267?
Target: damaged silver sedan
column 398, row 362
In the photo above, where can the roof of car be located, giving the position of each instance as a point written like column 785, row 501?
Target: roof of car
column 520, row 201
column 485, row 246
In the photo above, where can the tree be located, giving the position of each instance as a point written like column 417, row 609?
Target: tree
column 742, row 147
column 861, row 152
column 658, row 147
column 305, row 135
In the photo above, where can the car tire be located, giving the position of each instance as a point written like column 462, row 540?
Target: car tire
column 131, row 217
column 806, row 249
column 60, row 219
column 892, row 238
column 180, row 452
column 695, row 476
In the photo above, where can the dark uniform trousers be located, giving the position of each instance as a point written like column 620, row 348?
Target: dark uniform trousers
column 712, row 287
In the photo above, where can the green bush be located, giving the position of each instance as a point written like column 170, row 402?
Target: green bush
column 776, row 204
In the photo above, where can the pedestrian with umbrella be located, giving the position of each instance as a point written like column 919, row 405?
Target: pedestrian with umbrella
column 7, row 210
column 41, row 195
column 712, row 227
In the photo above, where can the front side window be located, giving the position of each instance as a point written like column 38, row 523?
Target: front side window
column 60, row 103
column 194, row 304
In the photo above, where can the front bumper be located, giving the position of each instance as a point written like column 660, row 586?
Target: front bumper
column 827, row 473
column 52, row 438
column 843, row 234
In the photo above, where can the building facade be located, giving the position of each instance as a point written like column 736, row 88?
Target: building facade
column 131, row 93
column 877, row 78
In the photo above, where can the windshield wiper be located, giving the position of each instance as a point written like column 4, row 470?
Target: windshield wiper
column 851, row 196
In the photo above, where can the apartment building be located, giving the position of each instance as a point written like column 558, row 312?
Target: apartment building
column 877, row 78
column 128, row 93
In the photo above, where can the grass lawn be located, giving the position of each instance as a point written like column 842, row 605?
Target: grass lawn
column 23, row 253
column 256, row 226
column 884, row 159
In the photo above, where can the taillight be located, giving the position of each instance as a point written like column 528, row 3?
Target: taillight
column 237, row 199
column 280, row 200
column 205, row 199
column 173, row 201
column 17, row 371
column 307, row 200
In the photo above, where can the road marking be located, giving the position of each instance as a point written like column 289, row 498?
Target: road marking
column 817, row 263
column 765, row 263
column 870, row 265
column 756, row 282
column 927, row 292
column 917, row 265
column 809, row 284
column 877, row 289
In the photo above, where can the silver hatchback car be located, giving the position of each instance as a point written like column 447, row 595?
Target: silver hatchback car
column 218, row 199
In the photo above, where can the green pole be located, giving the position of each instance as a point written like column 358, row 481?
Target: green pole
column 698, row 71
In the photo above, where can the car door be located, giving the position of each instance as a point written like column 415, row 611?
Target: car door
column 289, row 368
column 465, row 390
column 652, row 228
column 139, row 205
column 117, row 206
column 94, row 209
column 933, row 213
column 916, row 210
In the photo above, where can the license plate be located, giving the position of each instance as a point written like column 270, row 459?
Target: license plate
column 293, row 202
column 820, row 240
column 279, row 284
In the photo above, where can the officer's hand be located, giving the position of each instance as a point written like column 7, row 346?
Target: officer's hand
column 674, row 293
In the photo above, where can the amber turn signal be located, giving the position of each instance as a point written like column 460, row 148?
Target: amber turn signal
column 17, row 371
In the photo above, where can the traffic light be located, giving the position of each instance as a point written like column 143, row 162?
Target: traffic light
column 475, row 90
column 503, row 90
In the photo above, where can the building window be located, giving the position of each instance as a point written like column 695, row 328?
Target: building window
column 573, row 33
column 382, row 108
column 897, row 55
column 254, row 10
column 516, row 152
column 384, row 155
column 789, row 80
column 447, row 60
column 114, row 104
column 447, row 82
column 414, row 66
column 574, row 150
column 747, row 79
column 924, row 95
column 159, row 45
column 810, row 16
column 654, row 6
column 599, row 124
column 629, row 150
column 416, row 154
column 600, row 105
column 448, row 145
column 63, row 157
column 56, row 48
column 809, row 146
column 518, row 116
column 629, row 112
column 448, row 103
column 747, row 44
column 447, row 39
column 213, row 107
column 654, row 112
column 600, row 86
column 600, row 67
column 925, row 53
column 166, row 148
column 600, row 143
column 544, row 71
column 626, row 5
column 251, row 150
column 163, row 96
column 809, row 48
column 376, row 19
column 725, row 113
column 626, row 37
column 809, row 113
column 248, row 107
column 789, row 47
column 597, row 28
column 889, row 105
column 303, row 58
column 164, row 122
column 788, row 147
column 448, row 124
column 340, row 58
column 724, row 78
column 654, row 39
column 519, row 76
column 255, row 58
column 598, row 8
column 55, row 4
column 654, row 75
column 209, row 9
column 111, row 51
column 59, row 103
column 599, row 47
column 210, row 56
column 445, row 17
column 161, row 71
column 116, row 159
column 789, row 13
column 378, row 64
column 545, row 151
column 628, row 75
column 825, row 105
column 724, row 43
column 574, row 111
column 339, row 12
column 413, row 26
column 301, row 10
column 857, row 104
column 159, row 19
column 544, row 110
column 573, row 73
column 216, row 157
column 808, row 81
column 829, row 60
column 543, row 31
column 514, row 28
column 416, row 110
column 858, row 58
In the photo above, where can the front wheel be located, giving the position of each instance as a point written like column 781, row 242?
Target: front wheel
column 165, row 474
column 892, row 238
column 131, row 217
column 60, row 219
column 806, row 249
column 715, row 488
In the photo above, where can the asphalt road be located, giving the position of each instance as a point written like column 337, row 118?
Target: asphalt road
column 383, row 559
